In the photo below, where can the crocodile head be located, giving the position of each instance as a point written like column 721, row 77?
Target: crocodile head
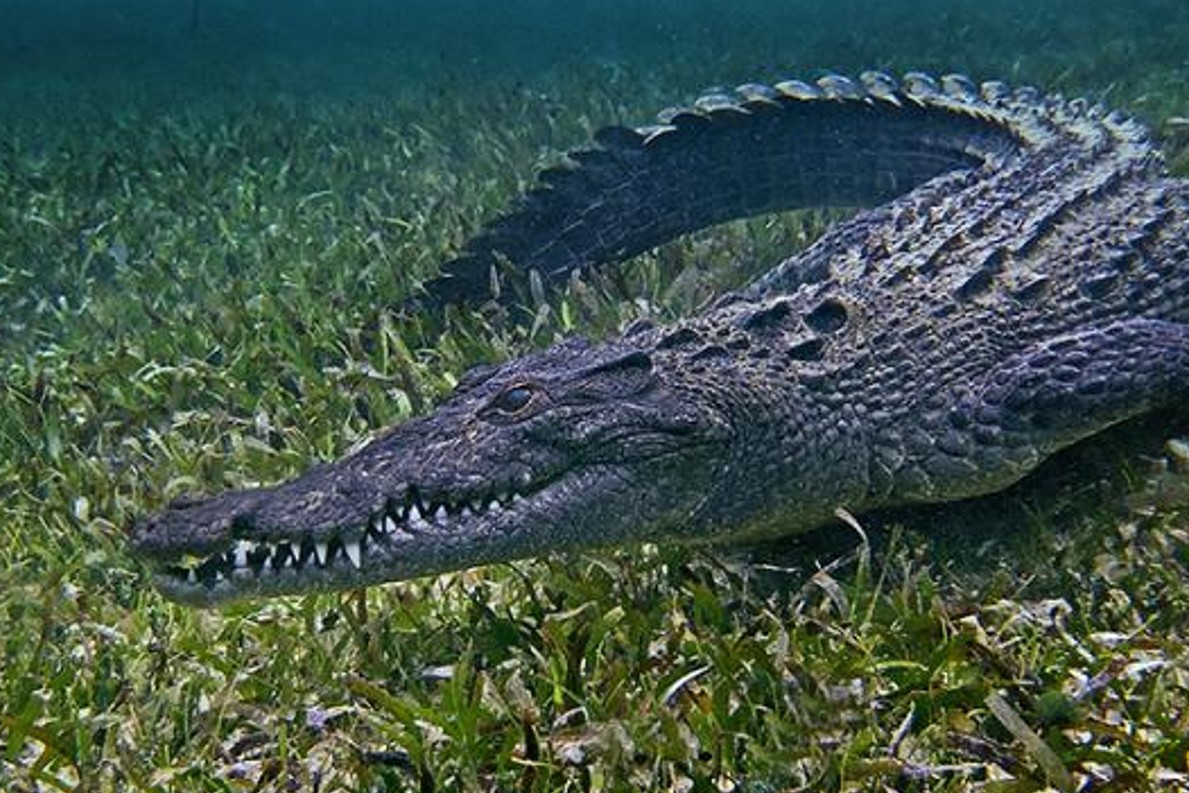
column 573, row 447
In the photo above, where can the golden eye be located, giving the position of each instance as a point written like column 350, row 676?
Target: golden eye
column 513, row 400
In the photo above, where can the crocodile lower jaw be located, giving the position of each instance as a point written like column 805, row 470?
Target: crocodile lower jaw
column 397, row 543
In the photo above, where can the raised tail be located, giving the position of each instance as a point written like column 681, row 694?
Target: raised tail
column 835, row 143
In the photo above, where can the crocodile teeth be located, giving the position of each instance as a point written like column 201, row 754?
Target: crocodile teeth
column 354, row 553
column 415, row 517
column 417, row 521
column 242, row 549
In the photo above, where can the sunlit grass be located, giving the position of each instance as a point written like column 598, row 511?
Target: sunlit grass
column 213, row 299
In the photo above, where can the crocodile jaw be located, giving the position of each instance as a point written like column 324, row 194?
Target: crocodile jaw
column 574, row 447
column 456, row 489
column 404, row 539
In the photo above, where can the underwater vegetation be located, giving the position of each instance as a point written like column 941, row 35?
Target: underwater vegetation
column 201, row 289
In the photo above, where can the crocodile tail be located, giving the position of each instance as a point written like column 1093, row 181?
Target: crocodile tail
column 837, row 142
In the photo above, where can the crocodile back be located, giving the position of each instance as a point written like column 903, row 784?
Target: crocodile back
column 1080, row 228
column 837, row 142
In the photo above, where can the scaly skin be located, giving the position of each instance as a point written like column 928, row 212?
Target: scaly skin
column 1021, row 284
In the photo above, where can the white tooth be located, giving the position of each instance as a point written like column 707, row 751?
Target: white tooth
column 218, row 576
column 440, row 515
column 417, row 512
column 495, row 508
column 241, row 553
column 525, row 478
column 191, row 576
column 354, row 553
column 389, row 525
column 516, row 499
column 466, row 511
column 320, row 550
column 417, row 522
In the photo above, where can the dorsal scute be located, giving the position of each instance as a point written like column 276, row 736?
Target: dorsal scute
column 835, row 141
column 1037, row 119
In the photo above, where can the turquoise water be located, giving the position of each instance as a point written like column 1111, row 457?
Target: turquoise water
column 87, row 88
column 105, row 55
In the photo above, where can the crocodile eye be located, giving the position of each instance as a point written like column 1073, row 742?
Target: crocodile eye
column 513, row 400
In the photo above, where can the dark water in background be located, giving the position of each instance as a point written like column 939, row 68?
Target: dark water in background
column 89, row 87
column 60, row 55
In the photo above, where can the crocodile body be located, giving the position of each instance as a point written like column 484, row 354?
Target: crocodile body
column 1020, row 282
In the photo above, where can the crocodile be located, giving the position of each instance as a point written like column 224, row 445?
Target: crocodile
column 1014, row 280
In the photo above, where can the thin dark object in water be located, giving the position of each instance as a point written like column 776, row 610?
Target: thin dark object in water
column 195, row 16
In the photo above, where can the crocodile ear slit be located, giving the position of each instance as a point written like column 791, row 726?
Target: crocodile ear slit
column 636, row 359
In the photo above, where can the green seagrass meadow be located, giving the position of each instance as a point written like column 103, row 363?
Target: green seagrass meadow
column 202, row 289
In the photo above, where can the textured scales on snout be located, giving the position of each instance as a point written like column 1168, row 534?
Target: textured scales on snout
column 1019, row 281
